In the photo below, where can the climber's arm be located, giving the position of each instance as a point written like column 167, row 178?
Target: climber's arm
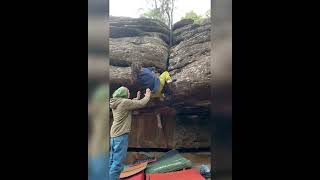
column 138, row 96
column 136, row 104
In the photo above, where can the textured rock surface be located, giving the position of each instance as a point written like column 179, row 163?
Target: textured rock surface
column 182, row 23
column 193, row 83
column 129, row 27
column 151, row 51
column 192, row 132
column 189, row 63
column 189, row 54
column 120, row 75
column 137, row 39
column 191, row 32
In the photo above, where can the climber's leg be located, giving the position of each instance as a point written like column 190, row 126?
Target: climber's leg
column 119, row 147
column 164, row 77
column 168, row 79
column 158, row 92
column 159, row 120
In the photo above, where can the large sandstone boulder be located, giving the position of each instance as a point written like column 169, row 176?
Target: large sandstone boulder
column 189, row 31
column 151, row 51
column 130, row 27
column 120, row 75
column 190, row 63
column 136, row 39
column 182, row 23
column 193, row 83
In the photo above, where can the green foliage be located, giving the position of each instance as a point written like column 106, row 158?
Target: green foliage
column 197, row 18
column 192, row 15
column 161, row 10
column 154, row 14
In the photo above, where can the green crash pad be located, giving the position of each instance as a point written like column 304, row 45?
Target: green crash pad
column 173, row 163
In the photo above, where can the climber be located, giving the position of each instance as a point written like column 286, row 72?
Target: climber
column 147, row 78
column 122, row 108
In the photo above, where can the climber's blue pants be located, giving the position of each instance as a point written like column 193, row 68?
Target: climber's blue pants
column 118, row 153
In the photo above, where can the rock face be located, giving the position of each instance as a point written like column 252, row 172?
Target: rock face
column 189, row 63
column 185, row 115
column 120, row 75
column 192, row 131
column 189, row 31
column 182, row 23
column 131, row 27
column 136, row 39
column 193, row 83
column 151, row 51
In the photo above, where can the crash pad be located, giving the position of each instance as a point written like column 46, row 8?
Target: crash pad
column 149, row 160
column 174, row 163
column 132, row 170
column 190, row 174
column 167, row 155
column 139, row 176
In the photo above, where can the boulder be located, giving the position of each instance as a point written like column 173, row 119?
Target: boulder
column 189, row 63
column 151, row 51
column 182, row 23
column 193, row 83
column 120, row 76
column 128, row 27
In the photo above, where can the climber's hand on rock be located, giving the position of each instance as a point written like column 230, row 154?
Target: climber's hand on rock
column 148, row 92
column 138, row 95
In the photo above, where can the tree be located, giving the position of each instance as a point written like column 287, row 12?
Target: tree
column 168, row 7
column 162, row 10
column 154, row 14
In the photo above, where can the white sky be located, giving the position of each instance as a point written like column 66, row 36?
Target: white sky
column 130, row 8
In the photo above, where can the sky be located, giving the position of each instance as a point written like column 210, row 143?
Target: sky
column 130, row 8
